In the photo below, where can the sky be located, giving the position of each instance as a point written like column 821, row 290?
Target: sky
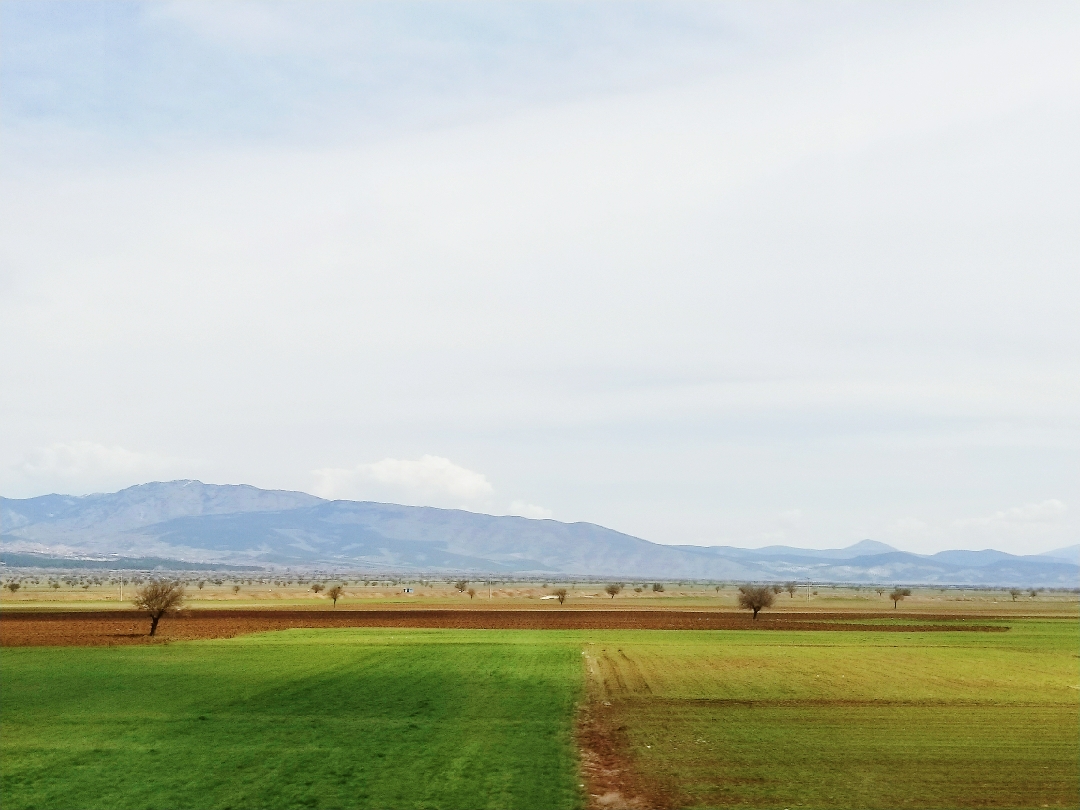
column 712, row 273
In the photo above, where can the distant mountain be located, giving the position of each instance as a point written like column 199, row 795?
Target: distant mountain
column 860, row 549
column 1070, row 553
column 207, row 524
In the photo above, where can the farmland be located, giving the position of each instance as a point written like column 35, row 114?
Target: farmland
column 340, row 718
column 830, row 709
column 846, row 720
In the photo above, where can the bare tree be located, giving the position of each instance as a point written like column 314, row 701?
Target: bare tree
column 236, row 589
column 790, row 588
column 13, row 586
column 1014, row 592
column 471, row 592
column 880, row 591
column 200, row 584
column 777, row 589
column 613, row 589
column 755, row 597
column 461, row 585
column 158, row 597
column 560, row 594
column 317, row 588
column 658, row 587
column 898, row 594
column 335, row 593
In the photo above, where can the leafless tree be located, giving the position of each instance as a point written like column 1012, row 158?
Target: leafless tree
column 200, row 584
column 560, row 594
column 658, row 587
column 471, row 592
column 1033, row 593
column 790, row 588
column 158, row 597
column 317, row 588
column 335, row 593
column 1014, row 592
column 755, row 597
column 898, row 594
column 461, row 585
column 777, row 589
column 880, row 591
column 613, row 589
column 13, row 586
column 236, row 589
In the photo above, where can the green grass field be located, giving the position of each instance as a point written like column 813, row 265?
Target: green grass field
column 320, row 719
column 850, row 720
column 474, row 719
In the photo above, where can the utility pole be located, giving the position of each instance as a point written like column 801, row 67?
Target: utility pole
column 121, row 586
column 808, row 592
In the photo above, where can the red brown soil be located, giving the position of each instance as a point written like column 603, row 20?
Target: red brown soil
column 612, row 782
column 67, row 628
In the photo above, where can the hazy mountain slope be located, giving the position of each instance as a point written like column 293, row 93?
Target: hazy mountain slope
column 105, row 514
column 424, row 538
column 860, row 549
column 1070, row 553
column 188, row 520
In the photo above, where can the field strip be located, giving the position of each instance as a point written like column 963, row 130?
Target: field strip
column 93, row 628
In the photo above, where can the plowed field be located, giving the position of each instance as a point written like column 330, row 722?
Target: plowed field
column 95, row 628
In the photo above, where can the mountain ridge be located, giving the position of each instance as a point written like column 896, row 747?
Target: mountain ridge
column 244, row 525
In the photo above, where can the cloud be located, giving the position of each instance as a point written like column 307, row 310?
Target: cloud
column 1048, row 511
column 78, row 467
column 529, row 510
column 430, row 480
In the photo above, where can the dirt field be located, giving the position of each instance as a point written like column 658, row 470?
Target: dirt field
column 64, row 628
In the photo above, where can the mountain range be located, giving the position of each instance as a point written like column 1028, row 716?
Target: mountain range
column 174, row 523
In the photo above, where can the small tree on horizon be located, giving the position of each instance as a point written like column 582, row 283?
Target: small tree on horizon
column 658, row 587
column 613, row 589
column 13, row 586
column 335, row 593
column 560, row 594
column 461, row 585
column 317, row 588
column 471, row 592
column 898, row 595
column 755, row 597
column 158, row 597
column 1014, row 592
column 790, row 588
column 777, row 589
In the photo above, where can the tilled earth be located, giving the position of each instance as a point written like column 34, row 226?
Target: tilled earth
column 76, row 628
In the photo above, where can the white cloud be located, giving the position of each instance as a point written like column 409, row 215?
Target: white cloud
column 78, row 467
column 1048, row 511
column 429, row 480
column 529, row 510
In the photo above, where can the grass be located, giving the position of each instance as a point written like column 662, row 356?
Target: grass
column 475, row 719
column 527, row 595
column 319, row 719
column 849, row 720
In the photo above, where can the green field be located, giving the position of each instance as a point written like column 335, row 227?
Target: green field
column 850, row 720
column 473, row 719
column 319, row 719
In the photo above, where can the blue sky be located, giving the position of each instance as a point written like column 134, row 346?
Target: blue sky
column 706, row 273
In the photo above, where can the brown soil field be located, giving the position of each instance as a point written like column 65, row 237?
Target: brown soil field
column 105, row 627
